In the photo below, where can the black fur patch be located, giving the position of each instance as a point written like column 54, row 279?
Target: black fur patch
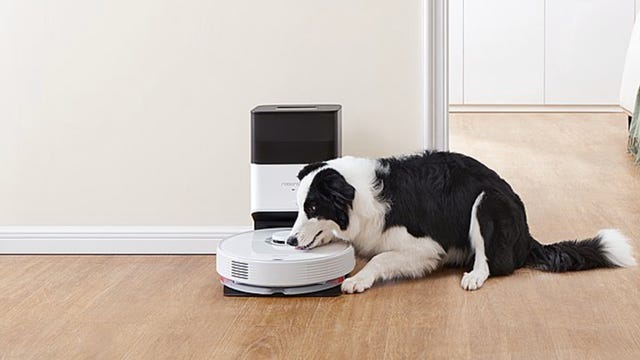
column 310, row 168
column 432, row 195
column 330, row 197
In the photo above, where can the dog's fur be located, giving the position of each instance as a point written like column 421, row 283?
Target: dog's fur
column 412, row 214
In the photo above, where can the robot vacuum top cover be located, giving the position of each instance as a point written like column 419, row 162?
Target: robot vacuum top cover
column 262, row 259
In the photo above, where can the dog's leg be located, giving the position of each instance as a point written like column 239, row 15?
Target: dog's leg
column 403, row 263
column 390, row 265
column 473, row 280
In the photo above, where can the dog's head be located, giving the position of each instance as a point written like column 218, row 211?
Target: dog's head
column 324, row 201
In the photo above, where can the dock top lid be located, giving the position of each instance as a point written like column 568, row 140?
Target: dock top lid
column 296, row 108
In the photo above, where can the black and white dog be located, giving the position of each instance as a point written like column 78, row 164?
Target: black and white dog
column 412, row 214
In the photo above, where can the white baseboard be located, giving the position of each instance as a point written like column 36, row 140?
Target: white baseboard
column 458, row 108
column 114, row 239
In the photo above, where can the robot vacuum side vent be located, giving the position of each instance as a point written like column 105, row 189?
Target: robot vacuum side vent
column 239, row 269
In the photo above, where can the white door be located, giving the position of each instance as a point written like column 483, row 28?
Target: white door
column 503, row 51
column 586, row 42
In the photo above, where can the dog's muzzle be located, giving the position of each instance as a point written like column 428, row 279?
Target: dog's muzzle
column 292, row 241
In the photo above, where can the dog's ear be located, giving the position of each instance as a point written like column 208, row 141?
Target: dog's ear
column 331, row 197
column 339, row 193
column 337, row 188
column 310, row 168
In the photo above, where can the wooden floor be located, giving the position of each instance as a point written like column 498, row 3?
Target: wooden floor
column 572, row 173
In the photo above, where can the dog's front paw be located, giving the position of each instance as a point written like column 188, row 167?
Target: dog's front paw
column 473, row 280
column 357, row 284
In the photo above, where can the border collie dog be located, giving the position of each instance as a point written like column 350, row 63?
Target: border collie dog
column 412, row 214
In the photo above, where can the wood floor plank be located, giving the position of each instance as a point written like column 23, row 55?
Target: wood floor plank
column 571, row 171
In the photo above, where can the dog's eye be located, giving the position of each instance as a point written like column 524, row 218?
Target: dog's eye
column 312, row 208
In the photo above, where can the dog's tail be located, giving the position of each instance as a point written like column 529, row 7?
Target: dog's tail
column 609, row 248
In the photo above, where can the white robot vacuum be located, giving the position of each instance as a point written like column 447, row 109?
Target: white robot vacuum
column 260, row 263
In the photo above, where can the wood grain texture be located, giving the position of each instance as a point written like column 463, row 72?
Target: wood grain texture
column 574, row 177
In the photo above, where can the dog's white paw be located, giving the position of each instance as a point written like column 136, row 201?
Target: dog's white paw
column 356, row 284
column 473, row 280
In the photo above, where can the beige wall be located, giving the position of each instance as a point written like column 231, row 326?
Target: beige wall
column 137, row 112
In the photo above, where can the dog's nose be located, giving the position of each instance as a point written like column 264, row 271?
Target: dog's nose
column 292, row 240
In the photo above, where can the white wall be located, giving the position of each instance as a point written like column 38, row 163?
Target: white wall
column 137, row 112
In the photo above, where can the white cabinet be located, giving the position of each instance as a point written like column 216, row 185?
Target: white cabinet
column 585, row 47
column 557, row 52
column 456, row 42
column 503, row 51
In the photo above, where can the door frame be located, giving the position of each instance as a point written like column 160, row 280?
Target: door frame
column 436, row 74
